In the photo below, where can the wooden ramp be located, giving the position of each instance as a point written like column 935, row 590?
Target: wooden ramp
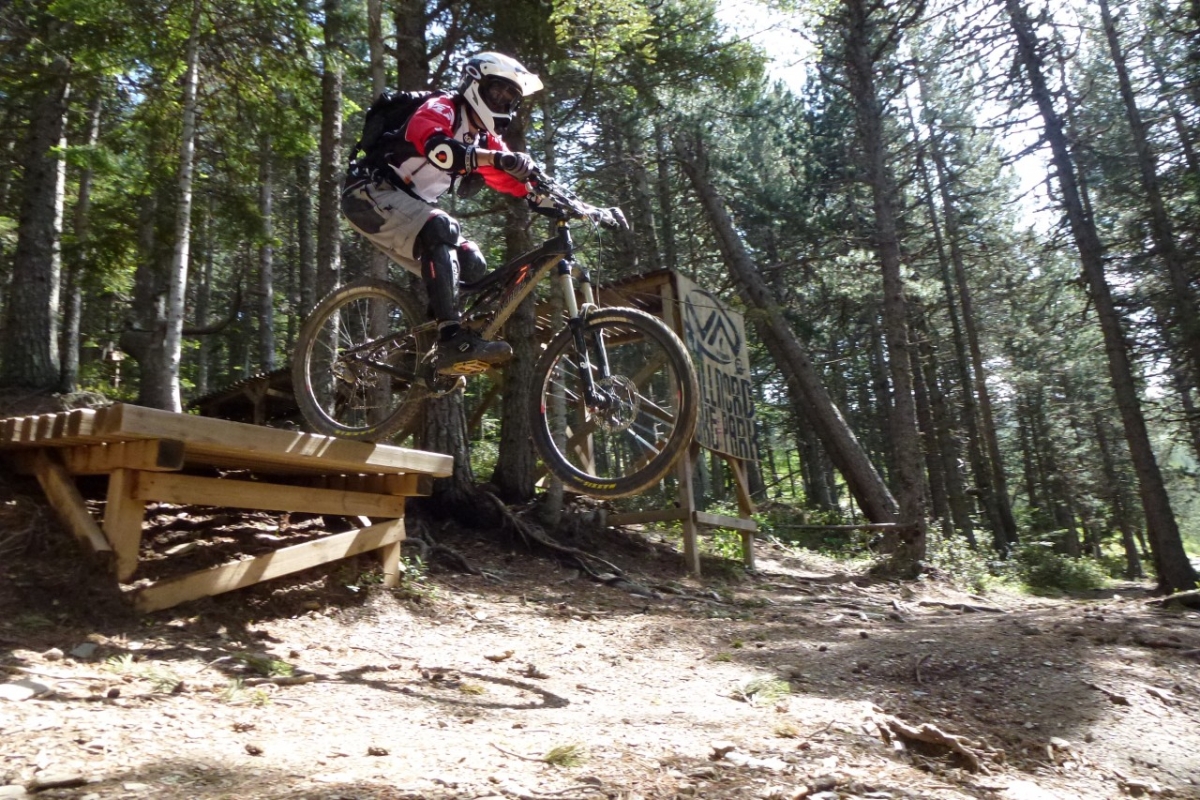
column 150, row 455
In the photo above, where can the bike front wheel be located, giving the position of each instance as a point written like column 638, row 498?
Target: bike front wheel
column 356, row 361
column 640, row 417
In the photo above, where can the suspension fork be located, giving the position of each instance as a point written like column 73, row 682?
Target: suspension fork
column 599, row 353
column 576, row 317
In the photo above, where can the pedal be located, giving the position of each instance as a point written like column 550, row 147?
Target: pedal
column 467, row 368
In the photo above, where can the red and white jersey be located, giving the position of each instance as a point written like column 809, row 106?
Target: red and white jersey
column 438, row 115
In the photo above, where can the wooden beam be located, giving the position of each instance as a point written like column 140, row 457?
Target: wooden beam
column 741, row 482
column 68, row 503
column 721, row 521
column 152, row 455
column 866, row 526
column 410, row 485
column 254, row 445
column 170, row 487
column 641, row 517
column 123, row 515
column 239, row 574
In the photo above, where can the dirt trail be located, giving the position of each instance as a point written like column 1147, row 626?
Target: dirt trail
column 798, row 681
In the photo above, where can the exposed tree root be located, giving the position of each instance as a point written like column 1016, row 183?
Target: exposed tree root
column 901, row 735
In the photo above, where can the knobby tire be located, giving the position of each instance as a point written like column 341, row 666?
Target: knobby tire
column 629, row 445
column 339, row 391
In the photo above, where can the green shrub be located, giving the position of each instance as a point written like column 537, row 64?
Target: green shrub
column 1042, row 568
column 975, row 569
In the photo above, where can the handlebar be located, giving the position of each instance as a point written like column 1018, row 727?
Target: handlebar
column 549, row 198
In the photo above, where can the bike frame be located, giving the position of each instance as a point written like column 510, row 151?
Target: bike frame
column 516, row 281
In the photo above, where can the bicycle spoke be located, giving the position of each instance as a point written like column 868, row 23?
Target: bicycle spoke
column 633, row 427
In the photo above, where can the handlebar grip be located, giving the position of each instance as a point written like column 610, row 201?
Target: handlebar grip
column 507, row 161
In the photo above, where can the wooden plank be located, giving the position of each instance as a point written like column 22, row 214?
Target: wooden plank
column 80, row 426
column 43, row 425
column 253, row 445
column 53, row 430
column 123, row 515
column 25, row 429
column 741, row 482
column 171, row 487
column 153, row 455
column 410, row 485
column 640, row 517
column 68, row 503
column 239, row 574
column 721, row 521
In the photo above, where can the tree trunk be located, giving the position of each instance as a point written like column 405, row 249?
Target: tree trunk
column 29, row 356
column 1115, row 488
column 802, row 377
column 1175, row 572
column 329, row 180
column 861, row 65
column 412, row 51
column 306, row 295
column 378, row 265
column 516, row 464
column 266, row 260
column 666, row 198
column 1180, row 272
column 163, row 391
column 204, row 302
column 983, row 444
column 80, row 257
column 945, row 443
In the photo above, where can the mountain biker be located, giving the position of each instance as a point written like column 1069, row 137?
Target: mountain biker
column 450, row 136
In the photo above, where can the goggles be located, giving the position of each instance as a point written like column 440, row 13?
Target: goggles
column 501, row 96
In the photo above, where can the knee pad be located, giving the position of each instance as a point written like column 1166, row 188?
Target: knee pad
column 471, row 264
column 440, row 229
column 439, row 265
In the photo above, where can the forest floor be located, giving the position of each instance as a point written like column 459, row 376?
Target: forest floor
column 802, row 679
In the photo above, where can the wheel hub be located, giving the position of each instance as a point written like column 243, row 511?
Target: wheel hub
column 619, row 404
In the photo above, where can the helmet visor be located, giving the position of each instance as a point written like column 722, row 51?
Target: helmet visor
column 501, row 96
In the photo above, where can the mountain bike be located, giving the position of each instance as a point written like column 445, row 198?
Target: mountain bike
column 617, row 396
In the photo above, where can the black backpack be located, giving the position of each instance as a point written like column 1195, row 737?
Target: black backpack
column 384, row 122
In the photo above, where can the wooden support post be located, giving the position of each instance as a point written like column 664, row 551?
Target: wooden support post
column 389, row 558
column 239, row 574
column 68, row 503
column 746, row 507
column 123, row 515
column 687, row 505
column 748, row 549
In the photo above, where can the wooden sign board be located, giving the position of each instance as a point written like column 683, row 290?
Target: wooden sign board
column 715, row 336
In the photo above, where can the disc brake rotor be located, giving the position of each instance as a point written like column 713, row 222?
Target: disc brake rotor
column 621, row 403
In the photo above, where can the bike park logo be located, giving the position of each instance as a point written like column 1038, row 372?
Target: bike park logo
column 711, row 331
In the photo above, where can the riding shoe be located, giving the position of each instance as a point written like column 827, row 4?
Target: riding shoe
column 466, row 353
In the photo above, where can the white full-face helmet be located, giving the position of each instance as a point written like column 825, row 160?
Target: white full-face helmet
column 493, row 85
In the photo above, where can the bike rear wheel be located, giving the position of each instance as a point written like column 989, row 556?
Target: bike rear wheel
column 643, row 417
column 356, row 361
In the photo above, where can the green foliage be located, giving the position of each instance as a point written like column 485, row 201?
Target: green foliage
column 975, row 569
column 1044, row 569
column 762, row 689
column 265, row 665
column 414, row 583
column 566, row 755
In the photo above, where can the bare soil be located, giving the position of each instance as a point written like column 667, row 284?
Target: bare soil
column 534, row 681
